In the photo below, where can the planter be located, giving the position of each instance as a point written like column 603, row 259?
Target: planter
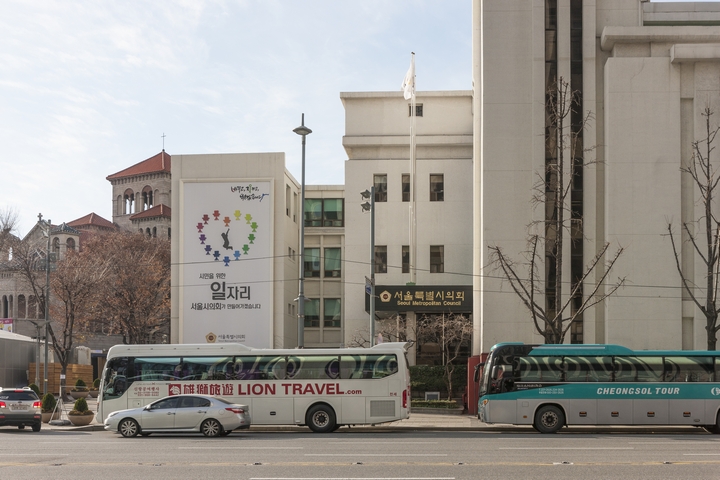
column 80, row 420
column 46, row 417
column 79, row 394
column 438, row 411
column 93, row 393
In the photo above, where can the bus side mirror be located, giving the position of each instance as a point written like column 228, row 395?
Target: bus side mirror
column 476, row 373
column 494, row 372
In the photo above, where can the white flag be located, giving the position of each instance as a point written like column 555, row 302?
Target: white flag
column 408, row 85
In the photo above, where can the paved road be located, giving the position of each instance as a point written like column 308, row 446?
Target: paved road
column 360, row 454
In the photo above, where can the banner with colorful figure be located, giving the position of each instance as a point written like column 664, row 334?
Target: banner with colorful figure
column 227, row 263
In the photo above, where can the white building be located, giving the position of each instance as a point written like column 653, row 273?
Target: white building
column 377, row 142
column 234, row 275
column 646, row 71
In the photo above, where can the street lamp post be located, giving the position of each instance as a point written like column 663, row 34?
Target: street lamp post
column 370, row 206
column 47, row 307
column 303, row 131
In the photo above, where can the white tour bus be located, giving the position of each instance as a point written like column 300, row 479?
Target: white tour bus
column 320, row 388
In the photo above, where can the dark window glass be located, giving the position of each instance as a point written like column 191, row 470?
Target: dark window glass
column 331, row 312
column 381, row 259
column 437, row 188
column 437, row 259
column 313, row 212
column 380, row 183
column 312, row 312
column 311, row 260
column 332, row 262
column 405, row 187
column 405, row 259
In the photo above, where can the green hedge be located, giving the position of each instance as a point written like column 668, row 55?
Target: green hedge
column 442, row 404
column 431, row 378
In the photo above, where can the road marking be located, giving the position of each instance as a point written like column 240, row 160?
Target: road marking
column 240, row 448
column 566, row 448
column 350, row 442
column 34, row 454
column 678, row 442
column 376, row 454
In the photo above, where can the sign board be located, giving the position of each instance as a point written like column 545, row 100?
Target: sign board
column 422, row 298
column 6, row 324
column 227, row 263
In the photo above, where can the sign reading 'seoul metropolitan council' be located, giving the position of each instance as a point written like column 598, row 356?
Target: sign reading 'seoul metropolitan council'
column 227, row 263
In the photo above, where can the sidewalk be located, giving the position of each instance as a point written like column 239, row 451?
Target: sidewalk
column 419, row 422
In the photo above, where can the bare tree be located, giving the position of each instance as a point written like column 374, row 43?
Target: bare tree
column 553, row 314
column 8, row 231
column 136, row 291
column 452, row 333
column 74, row 290
column 393, row 329
column 706, row 240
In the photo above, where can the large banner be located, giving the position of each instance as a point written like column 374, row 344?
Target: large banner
column 227, row 264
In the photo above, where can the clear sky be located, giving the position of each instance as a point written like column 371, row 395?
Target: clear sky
column 88, row 88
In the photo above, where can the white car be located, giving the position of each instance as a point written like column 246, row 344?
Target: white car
column 210, row 415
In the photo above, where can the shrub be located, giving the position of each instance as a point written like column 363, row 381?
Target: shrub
column 80, row 385
column 431, row 378
column 443, row 404
column 48, row 403
column 81, row 407
column 96, row 383
column 35, row 389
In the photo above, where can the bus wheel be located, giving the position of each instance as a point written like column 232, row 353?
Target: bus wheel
column 549, row 419
column 129, row 428
column 211, row 428
column 714, row 428
column 320, row 419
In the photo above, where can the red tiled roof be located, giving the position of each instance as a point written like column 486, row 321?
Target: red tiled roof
column 156, row 211
column 91, row 219
column 157, row 163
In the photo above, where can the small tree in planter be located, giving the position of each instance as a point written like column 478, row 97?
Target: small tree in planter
column 48, row 408
column 80, row 414
column 35, row 389
column 80, row 390
column 94, row 389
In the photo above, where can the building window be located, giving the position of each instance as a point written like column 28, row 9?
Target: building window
column 311, row 260
column 331, row 312
column 332, row 262
column 287, row 200
column 437, row 188
column 380, row 183
column 381, row 259
column 312, row 312
column 294, row 206
column 324, row 212
column 406, row 187
column 405, row 259
column 418, row 110
column 437, row 259
column 70, row 243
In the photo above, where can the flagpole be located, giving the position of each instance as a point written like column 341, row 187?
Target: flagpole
column 413, row 183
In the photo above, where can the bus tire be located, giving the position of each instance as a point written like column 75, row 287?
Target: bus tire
column 320, row 418
column 211, row 428
column 128, row 427
column 549, row 419
column 714, row 428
